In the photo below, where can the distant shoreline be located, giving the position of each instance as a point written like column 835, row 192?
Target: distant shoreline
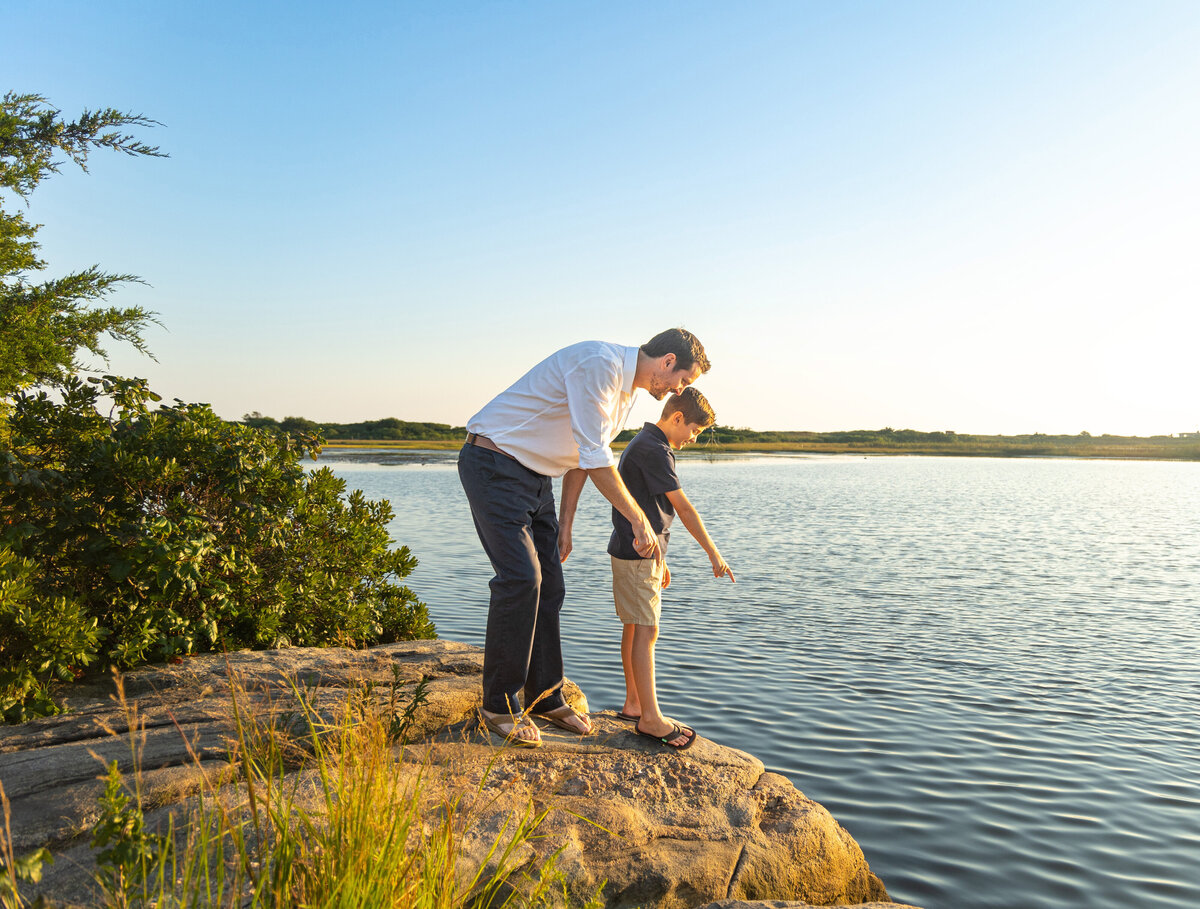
column 1119, row 448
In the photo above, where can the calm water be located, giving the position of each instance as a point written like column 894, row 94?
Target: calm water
column 988, row 670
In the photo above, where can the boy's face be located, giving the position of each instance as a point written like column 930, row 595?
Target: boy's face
column 679, row 432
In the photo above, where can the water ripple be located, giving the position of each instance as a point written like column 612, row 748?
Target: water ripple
column 988, row 670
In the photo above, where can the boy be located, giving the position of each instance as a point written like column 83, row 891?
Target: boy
column 648, row 468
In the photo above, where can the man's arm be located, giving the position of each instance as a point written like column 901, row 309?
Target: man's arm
column 572, row 485
column 691, row 520
column 612, row 487
column 592, row 386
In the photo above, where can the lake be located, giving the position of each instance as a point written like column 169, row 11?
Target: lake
column 988, row 670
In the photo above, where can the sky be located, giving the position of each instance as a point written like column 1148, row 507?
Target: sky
column 978, row 217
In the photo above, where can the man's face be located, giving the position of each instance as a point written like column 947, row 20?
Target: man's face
column 668, row 380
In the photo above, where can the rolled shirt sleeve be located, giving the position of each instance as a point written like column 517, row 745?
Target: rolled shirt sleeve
column 592, row 386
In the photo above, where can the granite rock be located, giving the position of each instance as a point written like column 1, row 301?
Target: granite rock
column 655, row 827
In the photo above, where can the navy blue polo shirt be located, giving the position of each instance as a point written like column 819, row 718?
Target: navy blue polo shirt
column 647, row 466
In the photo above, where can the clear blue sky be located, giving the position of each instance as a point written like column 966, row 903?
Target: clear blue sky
column 981, row 217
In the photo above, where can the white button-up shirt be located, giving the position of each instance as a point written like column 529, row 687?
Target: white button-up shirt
column 565, row 411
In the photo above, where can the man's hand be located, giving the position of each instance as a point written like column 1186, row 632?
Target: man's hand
column 645, row 540
column 564, row 542
column 666, row 575
column 646, row 547
column 612, row 487
column 720, row 568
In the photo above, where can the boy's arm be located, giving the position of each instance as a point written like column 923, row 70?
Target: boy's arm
column 691, row 520
column 572, row 485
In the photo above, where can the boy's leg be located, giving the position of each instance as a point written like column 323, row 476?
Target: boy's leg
column 632, row 703
column 637, row 592
column 629, row 600
column 642, row 663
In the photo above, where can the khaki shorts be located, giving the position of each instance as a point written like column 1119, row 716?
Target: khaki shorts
column 637, row 590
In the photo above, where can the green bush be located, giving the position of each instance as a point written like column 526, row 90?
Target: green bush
column 147, row 534
column 40, row 639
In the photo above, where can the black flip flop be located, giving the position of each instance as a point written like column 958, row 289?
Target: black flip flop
column 676, row 732
column 628, row 717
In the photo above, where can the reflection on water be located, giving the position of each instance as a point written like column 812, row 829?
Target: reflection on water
column 988, row 670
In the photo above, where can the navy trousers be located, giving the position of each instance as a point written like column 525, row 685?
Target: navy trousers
column 513, row 510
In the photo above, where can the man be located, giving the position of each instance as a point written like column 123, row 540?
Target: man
column 557, row 420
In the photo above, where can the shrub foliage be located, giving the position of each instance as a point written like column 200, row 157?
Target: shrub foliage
column 152, row 532
column 44, row 324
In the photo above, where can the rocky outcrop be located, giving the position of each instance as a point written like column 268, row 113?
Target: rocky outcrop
column 661, row 828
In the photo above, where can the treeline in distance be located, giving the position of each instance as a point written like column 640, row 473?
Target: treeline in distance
column 744, row 439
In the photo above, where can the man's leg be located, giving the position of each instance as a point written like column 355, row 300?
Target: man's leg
column 544, row 682
column 543, row 688
column 504, row 496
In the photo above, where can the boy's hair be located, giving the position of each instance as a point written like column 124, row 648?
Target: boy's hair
column 686, row 346
column 693, row 405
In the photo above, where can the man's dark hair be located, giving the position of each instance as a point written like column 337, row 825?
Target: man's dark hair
column 693, row 405
column 686, row 346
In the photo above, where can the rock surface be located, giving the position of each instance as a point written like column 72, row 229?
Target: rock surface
column 662, row 828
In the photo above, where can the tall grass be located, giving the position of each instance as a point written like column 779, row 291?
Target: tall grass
column 14, row 870
column 315, row 810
